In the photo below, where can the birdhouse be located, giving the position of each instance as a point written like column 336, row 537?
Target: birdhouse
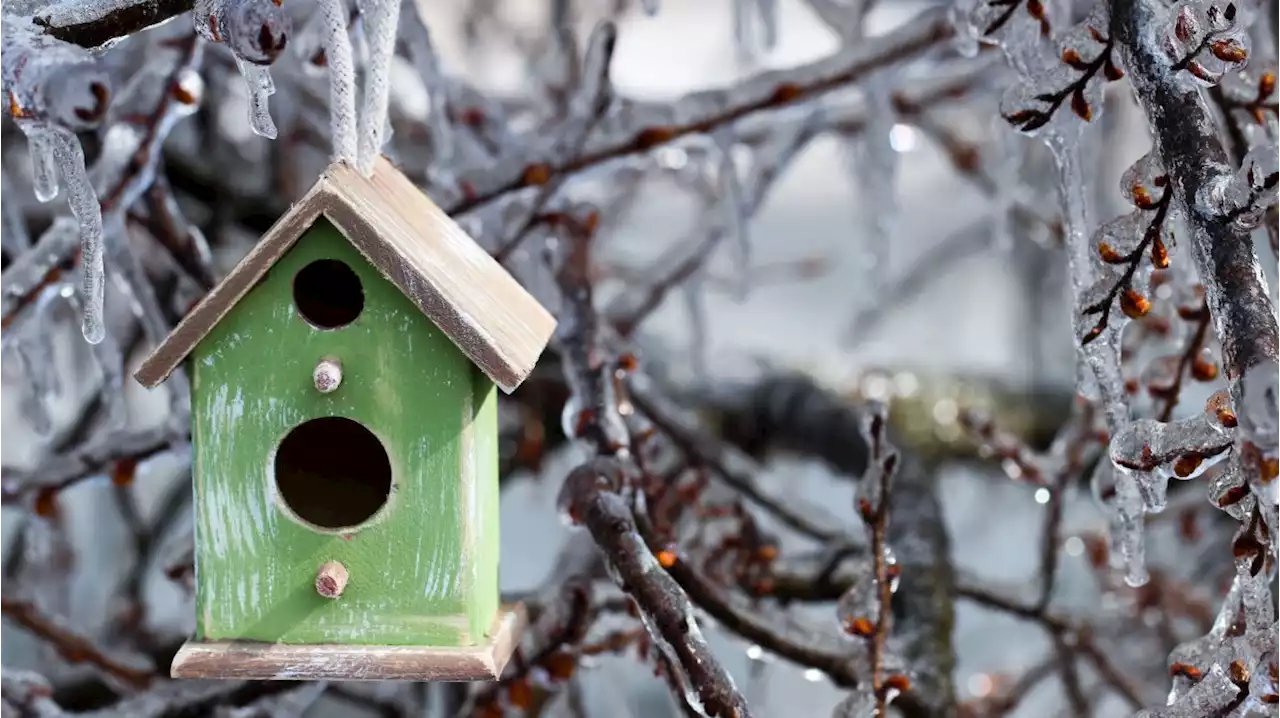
column 344, row 382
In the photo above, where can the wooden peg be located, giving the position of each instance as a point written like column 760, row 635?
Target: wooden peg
column 331, row 579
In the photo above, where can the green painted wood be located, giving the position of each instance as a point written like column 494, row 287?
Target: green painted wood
column 484, row 533
column 424, row 569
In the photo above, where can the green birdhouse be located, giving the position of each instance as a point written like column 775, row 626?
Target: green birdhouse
column 344, row 385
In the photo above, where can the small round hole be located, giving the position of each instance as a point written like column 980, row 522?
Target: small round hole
column 328, row 294
column 332, row 473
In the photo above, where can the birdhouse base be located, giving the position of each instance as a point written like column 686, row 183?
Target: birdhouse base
column 252, row 660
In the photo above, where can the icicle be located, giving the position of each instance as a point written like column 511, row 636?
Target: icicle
column 342, row 91
column 1099, row 358
column 44, row 167
column 381, row 18
column 693, row 291
column 768, row 11
column 256, row 32
column 1128, row 528
column 874, row 167
column 595, row 68
column 1007, row 176
column 592, row 95
column 733, row 202
column 30, row 357
column 421, row 51
column 261, row 87
column 83, row 202
column 1147, row 444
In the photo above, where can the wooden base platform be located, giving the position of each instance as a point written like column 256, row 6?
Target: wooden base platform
column 251, row 660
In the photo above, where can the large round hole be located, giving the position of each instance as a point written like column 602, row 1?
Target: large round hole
column 332, row 472
column 328, row 293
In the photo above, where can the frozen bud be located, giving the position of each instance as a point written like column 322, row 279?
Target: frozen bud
column 258, row 30
column 858, row 609
column 1206, row 38
column 327, row 375
column 1146, row 444
column 188, row 91
column 1145, row 182
column 77, row 96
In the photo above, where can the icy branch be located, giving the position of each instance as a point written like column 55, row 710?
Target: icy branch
column 593, row 494
column 1192, row 153
column 96, row 24
column 701, row 111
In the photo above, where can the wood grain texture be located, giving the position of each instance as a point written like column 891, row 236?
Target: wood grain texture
column 405, row 382
column 492, row 319
column 246, row 660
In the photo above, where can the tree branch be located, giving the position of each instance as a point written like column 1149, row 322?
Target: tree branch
column 1191, row 151
column 592, row 493
column 114, row 24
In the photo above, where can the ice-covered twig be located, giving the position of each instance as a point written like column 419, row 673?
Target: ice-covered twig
column 704, row 450
column 124, row 170
column 793, row 414
column 93, row 25
column 594, row 496
column 873, row 497
column 1076, row 634
column 699, row 112
column 28, row 693
column 1196, row 161
column 590, row 100
column 74, row 647
column 55, row 89
column 85, row 462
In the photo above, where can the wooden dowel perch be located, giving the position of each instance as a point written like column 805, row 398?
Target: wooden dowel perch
column 331, row 579
column 327, row 375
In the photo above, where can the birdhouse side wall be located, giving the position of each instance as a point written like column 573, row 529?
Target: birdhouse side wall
column 480, row 480
column 423, row 568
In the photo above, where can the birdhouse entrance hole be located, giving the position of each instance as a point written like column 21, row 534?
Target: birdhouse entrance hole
column 328, row 294
column 332, row 473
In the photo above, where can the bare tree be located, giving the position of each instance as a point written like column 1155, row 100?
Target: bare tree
column 177, row 131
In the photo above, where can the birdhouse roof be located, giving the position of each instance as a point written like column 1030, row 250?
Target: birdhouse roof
column 492, row 320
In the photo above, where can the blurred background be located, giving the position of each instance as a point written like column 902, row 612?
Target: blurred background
column 915, row 304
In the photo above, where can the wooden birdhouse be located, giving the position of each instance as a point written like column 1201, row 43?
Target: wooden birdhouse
column 344, row 438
